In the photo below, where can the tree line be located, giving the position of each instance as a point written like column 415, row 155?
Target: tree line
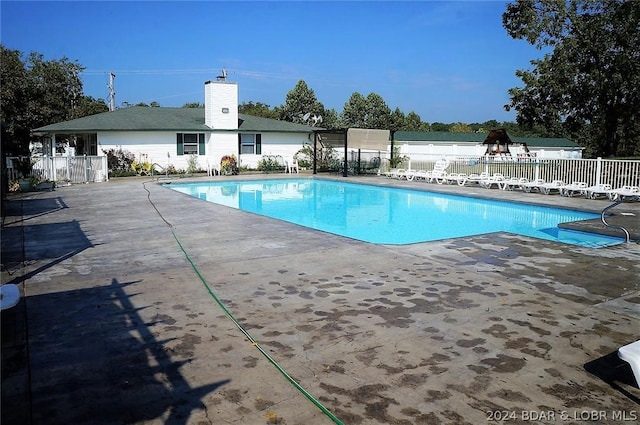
column 587, row 88
column 370, row 111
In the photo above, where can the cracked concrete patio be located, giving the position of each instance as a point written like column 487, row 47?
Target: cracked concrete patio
column 116, row 327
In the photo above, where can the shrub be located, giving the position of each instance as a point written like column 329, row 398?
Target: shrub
column 119, row 160
column 268, row 164
column 192, row 164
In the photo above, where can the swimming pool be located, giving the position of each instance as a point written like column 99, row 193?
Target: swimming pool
column 386, row 215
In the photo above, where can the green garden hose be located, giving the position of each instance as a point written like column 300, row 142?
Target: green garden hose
column 235, row 322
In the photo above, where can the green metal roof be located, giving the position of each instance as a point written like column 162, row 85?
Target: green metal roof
column 142, row 118
column 446, row 137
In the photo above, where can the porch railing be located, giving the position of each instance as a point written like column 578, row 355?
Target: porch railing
column 71, row 169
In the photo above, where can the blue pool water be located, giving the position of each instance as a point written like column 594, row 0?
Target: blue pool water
column 391, row 215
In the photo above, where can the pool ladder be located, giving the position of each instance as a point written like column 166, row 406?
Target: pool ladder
column 614, row 226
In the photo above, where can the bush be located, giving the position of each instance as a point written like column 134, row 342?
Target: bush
column 268, row 164
column 119, row 160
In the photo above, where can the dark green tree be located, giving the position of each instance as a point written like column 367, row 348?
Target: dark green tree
column 413, row 122
column 588, row 87
column 354, row 112
column 367, row 112
column 258, row 109
column 301, row 104
column 439, row 126
column 14, row 98
column 36, row 92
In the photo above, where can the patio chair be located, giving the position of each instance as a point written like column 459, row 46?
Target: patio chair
column 439, row 171
column 497, row 180
column 630, row 353
column 473, row 179
column 292, row 165
column 454, row 178
column 624, row 193
column 514, row 183
column 554, row 186
column 213, row 167
column 391, row 172
column 533, row 186
column 575, row 188
column 417, row 175
column 598, row 190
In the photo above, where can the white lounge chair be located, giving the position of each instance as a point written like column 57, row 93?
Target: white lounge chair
column 624, row 193
column 514, row 183
column 533, row 186
column 405, row 174
column 630, row 353
column 575, row 188
column 598, row 190
column 417, row 175
column 438, row 172
column 454, row 178
column 549, row 188
column 393, row 173
column 496, row 180
column 473, row 179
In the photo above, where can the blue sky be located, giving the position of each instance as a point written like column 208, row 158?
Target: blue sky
column 447, row 61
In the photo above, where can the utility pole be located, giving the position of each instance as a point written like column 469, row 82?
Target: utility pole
column 112, row 92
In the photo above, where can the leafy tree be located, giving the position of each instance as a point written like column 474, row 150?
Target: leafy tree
column 378, row 113
column 439, row 126
column 14, row 95
column 87, row 105
column 367, row 112
column 258, row 109
column 354, row 112
column 460, row 128
column 413, row 122
column 330, row 119
column 301, row 100
column 589, row 85
column 36, row 92
column 398, row 120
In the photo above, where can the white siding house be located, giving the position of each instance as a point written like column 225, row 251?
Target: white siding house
column 169, row 136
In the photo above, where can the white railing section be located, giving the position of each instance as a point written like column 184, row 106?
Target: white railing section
column 616, row 172
column 70, row 169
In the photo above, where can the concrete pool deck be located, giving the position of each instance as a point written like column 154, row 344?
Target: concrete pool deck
column 115, row 326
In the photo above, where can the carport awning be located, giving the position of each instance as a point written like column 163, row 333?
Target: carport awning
column 368, row 139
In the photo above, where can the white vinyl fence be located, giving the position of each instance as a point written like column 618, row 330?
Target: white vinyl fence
column 615, row 172
column 70, row 169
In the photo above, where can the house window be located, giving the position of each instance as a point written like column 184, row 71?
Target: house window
column 250, row 143
column 190, row 144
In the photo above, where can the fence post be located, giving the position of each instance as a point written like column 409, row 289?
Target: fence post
column 598, row 170
column 86, row 169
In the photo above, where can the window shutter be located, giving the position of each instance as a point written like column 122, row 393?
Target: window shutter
column 258, row 144
column 201, row 144
column 180, row 145
column 239, row 144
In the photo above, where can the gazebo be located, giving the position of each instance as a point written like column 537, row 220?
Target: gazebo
column 497, row 142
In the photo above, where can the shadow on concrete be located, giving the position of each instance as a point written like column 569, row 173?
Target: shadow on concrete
column 80, row 356
column 614, row 371
column 95, row 361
